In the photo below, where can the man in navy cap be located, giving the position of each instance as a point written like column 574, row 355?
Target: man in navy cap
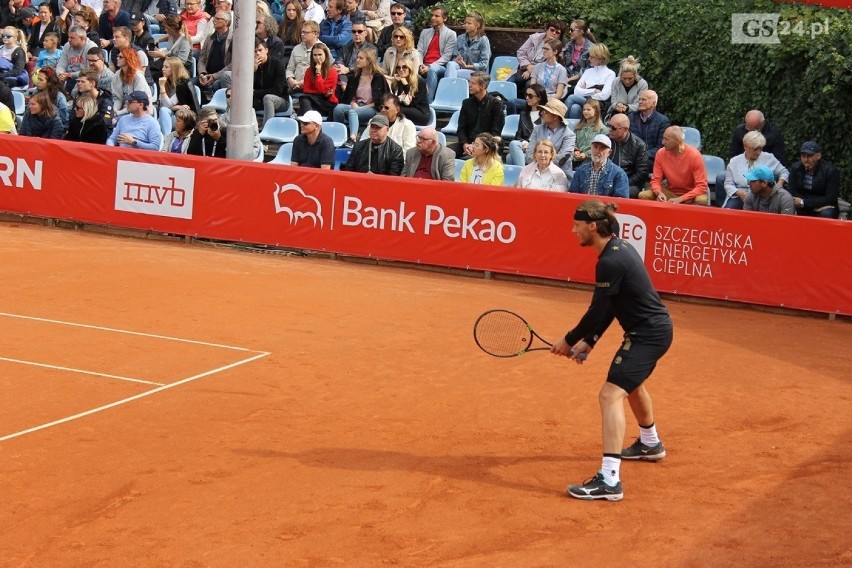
column 814, row 183
column 764, row 195
column 137, row 128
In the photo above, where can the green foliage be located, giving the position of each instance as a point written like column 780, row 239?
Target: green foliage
column 802, row 84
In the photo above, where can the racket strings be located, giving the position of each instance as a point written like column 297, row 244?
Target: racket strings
column 502, row 334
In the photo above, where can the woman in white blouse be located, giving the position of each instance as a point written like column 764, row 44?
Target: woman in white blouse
column 594, row 83
column 542, row 173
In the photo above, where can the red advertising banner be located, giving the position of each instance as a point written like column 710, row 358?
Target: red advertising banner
column 766, row 259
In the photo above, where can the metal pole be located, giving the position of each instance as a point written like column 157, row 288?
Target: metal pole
column 241, row 131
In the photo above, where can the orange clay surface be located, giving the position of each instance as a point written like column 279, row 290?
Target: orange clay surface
column 375, row 433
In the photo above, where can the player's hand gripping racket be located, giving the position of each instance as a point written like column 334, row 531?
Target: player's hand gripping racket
column 502, row 333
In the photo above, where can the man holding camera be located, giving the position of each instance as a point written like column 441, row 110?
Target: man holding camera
column 209, row 137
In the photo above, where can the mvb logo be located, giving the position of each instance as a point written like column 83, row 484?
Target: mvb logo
column 152, row 189
column 632, row 230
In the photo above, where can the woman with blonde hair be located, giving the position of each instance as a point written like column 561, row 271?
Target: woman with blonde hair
column 128, row 78
column 87, row 124
column 402, row 45
column 485, row 167
column 542, row 173
column 175, row 88
column 589, row 126
column 13, row 58
column 473, row 50
column 410, row 88
column 626, row 88
column 595, row 83
column 319, row 83
column 363, row 94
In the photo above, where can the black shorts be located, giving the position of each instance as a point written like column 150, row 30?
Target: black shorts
column 638, row 355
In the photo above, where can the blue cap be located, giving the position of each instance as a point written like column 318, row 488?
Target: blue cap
column 810, row 147
column 761, row 173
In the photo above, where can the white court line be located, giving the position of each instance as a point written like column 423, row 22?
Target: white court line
column 155, row 336
column 260, row 354
column 46, row 366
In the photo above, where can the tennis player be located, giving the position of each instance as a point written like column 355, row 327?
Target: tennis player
column 623, row 291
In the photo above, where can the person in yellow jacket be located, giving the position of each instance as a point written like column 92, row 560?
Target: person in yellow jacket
column 485, row 167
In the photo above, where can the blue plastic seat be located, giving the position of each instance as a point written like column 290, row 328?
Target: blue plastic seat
column 692, row 136
column 715, row 166
column 337, row 131
column 511, row 174
column 20, row 102
column 453, row 125
column 442, row 139
column 459, row 166
column 167, row 120
column 451, row 92
column 510, row 127
column 219, row 101
column 341, row 156
column 503, row 61
column 280, row 130
column 508, row 89
column 284, row 155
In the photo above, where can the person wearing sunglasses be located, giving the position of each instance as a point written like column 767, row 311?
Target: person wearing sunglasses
column 348, row 54
column 403, row 47
column 401, row 130
column 530, row 53
column 13, row 58
column 267, row 31
column 410, row 89
column 87, row 124
column 397, row 15
column 530, row 117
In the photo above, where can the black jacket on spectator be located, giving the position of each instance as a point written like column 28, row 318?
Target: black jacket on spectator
column 478, row 116
column 205, row 145
column 276, row 48
column 417, row 111
column 185, row 92
column 632, row 157
column 825, row 186
column 269, row 79
column 93, row 130
column 526, row 125
column 388, row 159
column 35, row 43
column 378, row 85
column 41, row 126
column 774, row 142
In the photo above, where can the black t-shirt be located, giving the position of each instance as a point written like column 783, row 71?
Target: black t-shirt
column 623, row 290
column 313, row 155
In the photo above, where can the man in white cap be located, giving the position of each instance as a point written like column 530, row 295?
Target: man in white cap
column 377, row 154
column 312, row 148
column 600, row 176
column 137, row 128
column 764, row 195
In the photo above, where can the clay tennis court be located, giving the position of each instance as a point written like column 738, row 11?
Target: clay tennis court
column 286, row 411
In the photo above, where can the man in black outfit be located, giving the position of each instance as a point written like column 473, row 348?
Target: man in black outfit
column 377, row 154
column 623, row 291
column 480, row 112
column 754, row 120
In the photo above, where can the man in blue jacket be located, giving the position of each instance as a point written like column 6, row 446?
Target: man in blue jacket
column 600, row 176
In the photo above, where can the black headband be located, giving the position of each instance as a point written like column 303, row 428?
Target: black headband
column 583, row 215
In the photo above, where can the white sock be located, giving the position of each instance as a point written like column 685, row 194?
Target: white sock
column 610, row 467
column 648, row 434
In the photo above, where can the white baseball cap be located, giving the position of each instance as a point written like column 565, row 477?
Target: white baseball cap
column 602, row 139
column 311, row 116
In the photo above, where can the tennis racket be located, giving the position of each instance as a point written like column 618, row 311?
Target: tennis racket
column 502, row 333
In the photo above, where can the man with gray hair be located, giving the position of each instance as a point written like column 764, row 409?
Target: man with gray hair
column 73, row 58
column 428, row 159
column 682, row 168
column 214, row 59
column 648, row 124
column 629, row 152
column 600, row 176
column 756, row 122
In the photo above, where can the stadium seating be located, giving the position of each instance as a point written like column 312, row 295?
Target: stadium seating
column 337, row 131
column 451, row 92
column 692, row 136
column 284, row 155
column 453, row 125
column 280, row 130
column 714, row 165
column 503, row 61
column 511, row 174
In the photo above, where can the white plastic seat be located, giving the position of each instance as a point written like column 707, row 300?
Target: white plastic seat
column 451, row 92
column 280, row 130
column 284, row 155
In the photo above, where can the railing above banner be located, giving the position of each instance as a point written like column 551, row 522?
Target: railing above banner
column 756, row 258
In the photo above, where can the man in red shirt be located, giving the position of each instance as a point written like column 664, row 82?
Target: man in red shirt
column 436, row 45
